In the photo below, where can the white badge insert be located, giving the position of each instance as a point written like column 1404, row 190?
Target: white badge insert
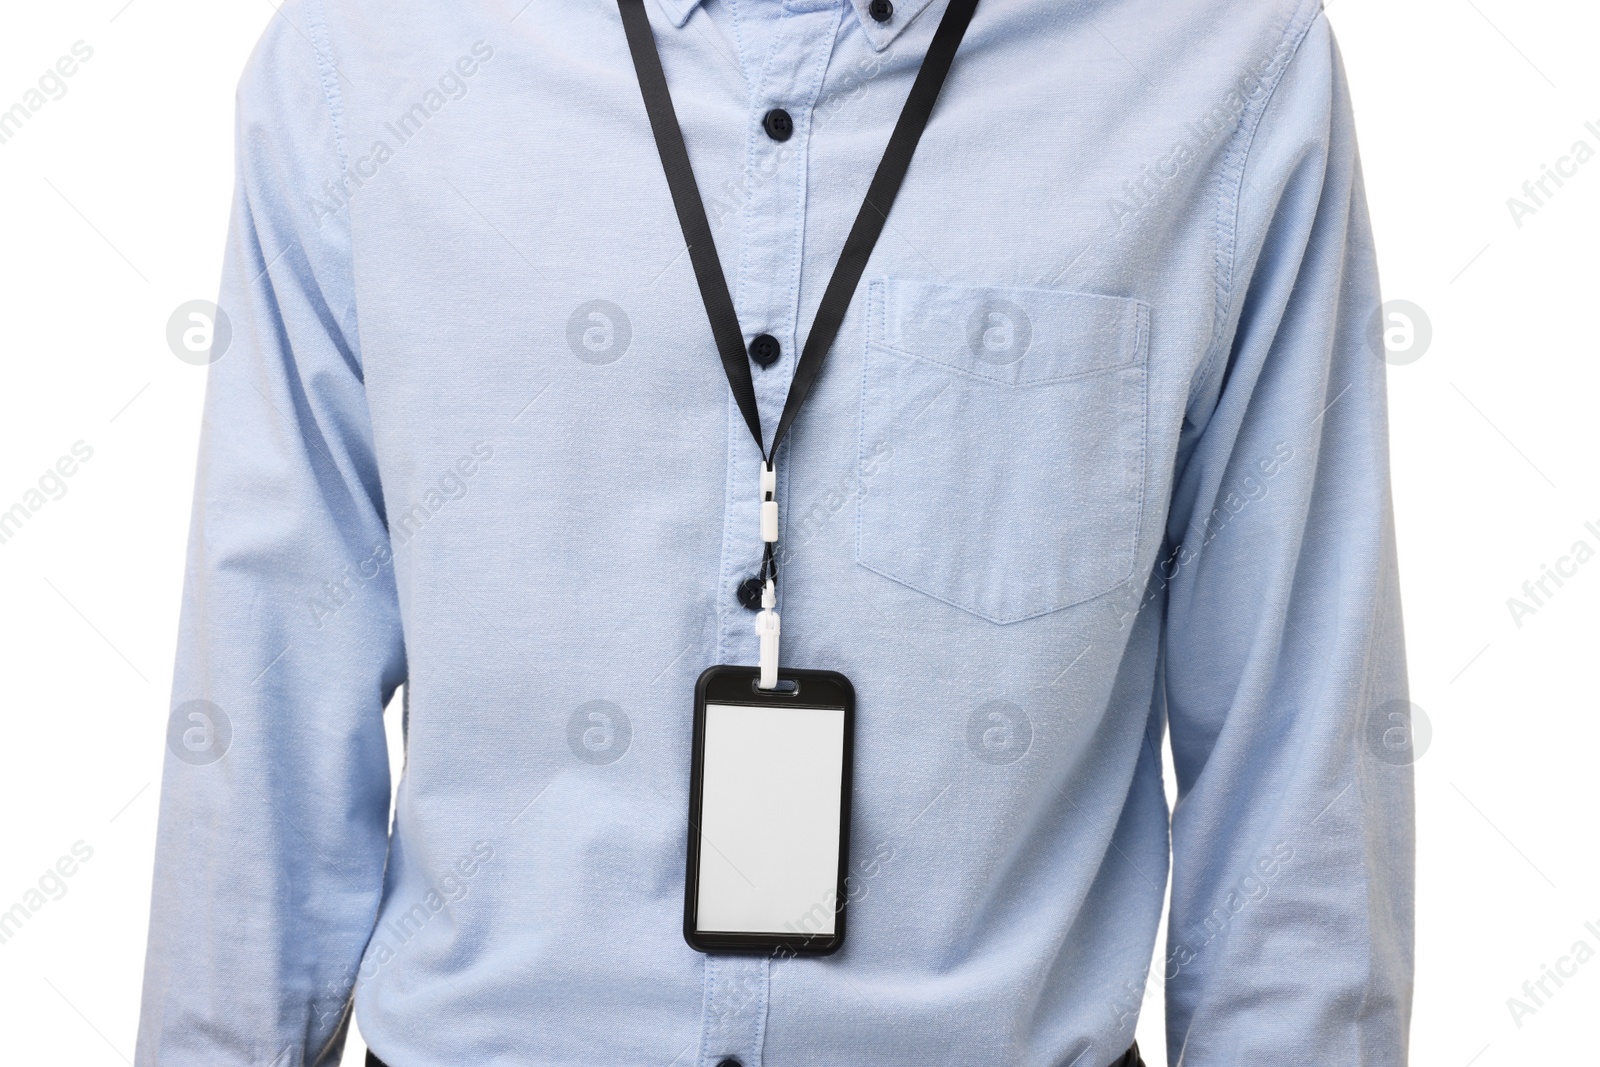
column 769, row 819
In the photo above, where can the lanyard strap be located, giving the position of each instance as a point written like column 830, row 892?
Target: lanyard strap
column 857, row 247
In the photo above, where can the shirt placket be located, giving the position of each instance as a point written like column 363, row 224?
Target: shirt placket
column 766, row 293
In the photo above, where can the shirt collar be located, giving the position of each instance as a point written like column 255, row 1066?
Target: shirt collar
column 879, row 34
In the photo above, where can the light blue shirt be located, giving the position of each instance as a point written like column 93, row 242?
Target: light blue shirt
column 1099, row 456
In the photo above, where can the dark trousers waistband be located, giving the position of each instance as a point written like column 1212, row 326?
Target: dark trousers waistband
column 1129, row 1059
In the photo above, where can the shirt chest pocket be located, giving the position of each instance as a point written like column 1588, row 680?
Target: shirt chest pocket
column 1002, row 451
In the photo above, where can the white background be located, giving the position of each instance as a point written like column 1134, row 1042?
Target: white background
column 115, row 199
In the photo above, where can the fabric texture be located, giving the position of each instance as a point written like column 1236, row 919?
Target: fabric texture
column 1097, row 462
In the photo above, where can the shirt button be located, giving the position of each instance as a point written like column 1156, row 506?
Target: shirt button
column 730, row 1062
column 749, row 594
column 778, row 124
column 765, row 349
column 881, row 10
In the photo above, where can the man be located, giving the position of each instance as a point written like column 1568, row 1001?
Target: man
column 1098, row 451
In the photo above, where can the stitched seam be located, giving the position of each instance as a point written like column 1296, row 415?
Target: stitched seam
column 997, row 620
column 1077, row 296
column 1043, row 290
column 875, row 302
column 733, row 424
column 1384, row 593
column 1136, row 360
column 709, row 1000
column 322, row 46
column 803, row 169
column 872, row 31
column 746, row 206
column 330, row 78
column 881, row 317
column 761, row 1025
column 1141, row 345
column 1229, row 196
column 879, row 328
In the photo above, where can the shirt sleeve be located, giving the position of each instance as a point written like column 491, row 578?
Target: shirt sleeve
column 274, row 802
column 1290, row 932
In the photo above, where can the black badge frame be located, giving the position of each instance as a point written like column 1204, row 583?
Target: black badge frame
column 796, row 689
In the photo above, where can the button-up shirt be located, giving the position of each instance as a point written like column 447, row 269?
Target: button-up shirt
column 1097, row 460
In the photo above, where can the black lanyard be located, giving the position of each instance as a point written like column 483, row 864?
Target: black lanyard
column 857, row 247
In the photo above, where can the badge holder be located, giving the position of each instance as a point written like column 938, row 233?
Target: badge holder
column 769, row 813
